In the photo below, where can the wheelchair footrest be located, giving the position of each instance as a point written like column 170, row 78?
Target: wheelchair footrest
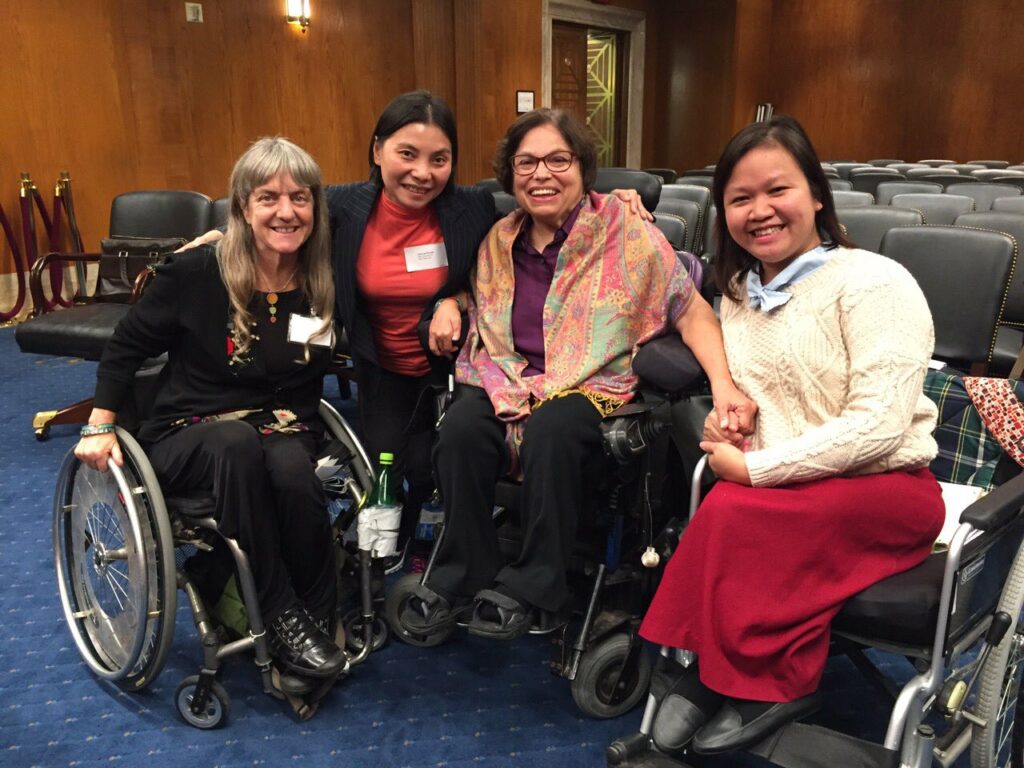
column 799, row 745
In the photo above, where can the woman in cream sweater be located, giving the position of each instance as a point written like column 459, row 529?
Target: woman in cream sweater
column 832, row 492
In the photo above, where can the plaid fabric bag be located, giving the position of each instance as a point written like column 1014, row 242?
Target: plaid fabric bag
column 969, row 453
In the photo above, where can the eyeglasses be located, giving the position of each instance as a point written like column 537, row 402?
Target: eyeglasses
column 556, row 162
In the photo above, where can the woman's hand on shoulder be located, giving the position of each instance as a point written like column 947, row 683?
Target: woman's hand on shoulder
column 727, row 461
column 632, row 199
column 445, row 328
column 207, row 237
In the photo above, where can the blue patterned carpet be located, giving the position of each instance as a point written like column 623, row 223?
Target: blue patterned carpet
column 467, row 703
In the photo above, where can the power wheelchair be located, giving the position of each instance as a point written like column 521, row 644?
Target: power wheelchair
column 614, row 568
column 956, row 617
column 120, row 547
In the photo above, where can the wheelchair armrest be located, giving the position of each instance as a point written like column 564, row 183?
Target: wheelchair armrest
column 667, row 364
column 998, row 507
column 41, row 265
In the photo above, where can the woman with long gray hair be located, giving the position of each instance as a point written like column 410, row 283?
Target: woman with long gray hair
column 247, row 328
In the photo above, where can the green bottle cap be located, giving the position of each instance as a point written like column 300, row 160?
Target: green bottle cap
column 387, row 458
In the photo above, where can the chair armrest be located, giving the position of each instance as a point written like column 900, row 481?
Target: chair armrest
column 35, row 278
column 667, row 364
column 998, row 507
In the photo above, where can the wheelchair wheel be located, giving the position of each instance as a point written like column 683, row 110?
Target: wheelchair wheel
column 992, row 745
column 606, row 685
column 354, row 631
column 114, row 557
column 361, row 467
column 213, row 715
column 397, row 597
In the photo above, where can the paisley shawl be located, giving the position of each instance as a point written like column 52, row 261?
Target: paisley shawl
column 617, row 284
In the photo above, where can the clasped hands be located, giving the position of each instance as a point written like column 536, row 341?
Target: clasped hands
column 726, row 435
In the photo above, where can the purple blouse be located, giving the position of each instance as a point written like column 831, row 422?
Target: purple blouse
column 533, row 274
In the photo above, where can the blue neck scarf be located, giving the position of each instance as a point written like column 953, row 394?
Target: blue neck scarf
column 770, row 296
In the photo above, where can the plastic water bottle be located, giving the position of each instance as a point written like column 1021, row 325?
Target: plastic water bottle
column 380, row 518
column 431, row 514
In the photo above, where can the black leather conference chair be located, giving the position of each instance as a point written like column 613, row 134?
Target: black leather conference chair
column 839, row 185
column 504, row 203
column 1008, row 204
column 885, row 191
column 937, row 209
column 866, row 226
column 83, row 330
column 936, row 163
column 647, row 185
column 868, row 181
column 844, row 168
column 994, row 174
column 964, row 168
column 667, row 175
column 984, row 194
column 673, row 228
column 219, row 210
column 884, row 162
column 850, row 199
column 491, row 185
column 964, row 274
column 990, row 163
column 945, row 178
column 1010, row 335
column 690, row 213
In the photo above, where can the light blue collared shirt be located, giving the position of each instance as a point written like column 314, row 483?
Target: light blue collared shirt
column 768, row 297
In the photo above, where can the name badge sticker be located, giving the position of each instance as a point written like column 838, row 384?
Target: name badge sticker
column 420, row 257
column 302, row 329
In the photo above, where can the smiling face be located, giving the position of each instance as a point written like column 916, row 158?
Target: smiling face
column 280, row 212
column 547, row 196
column 415, row 164
column 769, row 208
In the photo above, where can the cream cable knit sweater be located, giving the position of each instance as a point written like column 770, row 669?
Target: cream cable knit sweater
column 837, row 373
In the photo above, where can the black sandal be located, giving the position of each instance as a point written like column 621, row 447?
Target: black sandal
column 514, row 619
column 427, row 612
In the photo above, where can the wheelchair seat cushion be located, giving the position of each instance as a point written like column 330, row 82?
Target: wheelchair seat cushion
column 667, row 364
column 901, row 610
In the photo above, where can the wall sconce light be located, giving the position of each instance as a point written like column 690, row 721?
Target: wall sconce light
column 297, row 12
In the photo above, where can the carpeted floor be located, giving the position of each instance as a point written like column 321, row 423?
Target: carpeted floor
column 468, row 702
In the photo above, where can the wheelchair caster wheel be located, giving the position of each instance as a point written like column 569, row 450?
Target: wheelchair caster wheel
column 397, row 597
column 213, row 715
column 608, row 684
column 355, row 633
column 42, row 434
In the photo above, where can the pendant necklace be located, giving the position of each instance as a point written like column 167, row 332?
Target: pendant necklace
column 272, row 296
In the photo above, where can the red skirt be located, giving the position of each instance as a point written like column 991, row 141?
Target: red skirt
column 761, row 572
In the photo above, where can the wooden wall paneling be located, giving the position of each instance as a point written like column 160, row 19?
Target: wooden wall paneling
column 497, row 52
column 433, row 31
column 752, row 58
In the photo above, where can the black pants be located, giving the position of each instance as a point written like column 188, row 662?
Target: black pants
column 396, row 414
column 561, row 457
column 268, row 499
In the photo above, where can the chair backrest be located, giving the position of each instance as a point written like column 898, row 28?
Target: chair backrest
column 648, row 186
column 945, row 179
column 160, row 213
column 925, row 170
column 706, row 171
column 964, row 168
column 1014, row 181
column 700, row 195
column 504, row 203
column 934, row 163
column 1013, row 225
column 995, row 174
column 937, row 209
column 673, row 228
column 851, row 199
column 866, row 226
column 983, row 193
column 710, row 239
column 904, row 167
column 219, row 210
column 885, row 191
column 990, row 163
column 839, row 185
column 491, row 185
column 963, row 274
column 869, row 181
column 688, row 211
column 667, row 175
column 845, row 168
column 884, row 162
column 873, row 169
column 1009, row 204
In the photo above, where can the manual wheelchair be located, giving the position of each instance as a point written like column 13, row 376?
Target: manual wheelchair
column 613, row 570
column 119, row 550
column 956, row 617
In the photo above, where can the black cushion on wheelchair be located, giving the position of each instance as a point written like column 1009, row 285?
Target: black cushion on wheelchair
column 199, row 504
column 901, row 609
column 667, row 364
column 51, row 334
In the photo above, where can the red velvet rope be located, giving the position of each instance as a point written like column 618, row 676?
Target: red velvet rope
column 19, row 268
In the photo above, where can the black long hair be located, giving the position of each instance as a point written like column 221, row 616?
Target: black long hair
column 414, row 107
column 732, row 261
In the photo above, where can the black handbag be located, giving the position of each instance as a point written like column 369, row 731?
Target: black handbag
column 123, row 259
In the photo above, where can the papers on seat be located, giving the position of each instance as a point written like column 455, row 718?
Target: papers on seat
column 956, row 498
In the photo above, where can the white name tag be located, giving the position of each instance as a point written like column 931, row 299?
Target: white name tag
column 302, row 329
column 430, row 256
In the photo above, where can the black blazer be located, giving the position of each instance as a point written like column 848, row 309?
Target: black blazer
column 465, row 214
